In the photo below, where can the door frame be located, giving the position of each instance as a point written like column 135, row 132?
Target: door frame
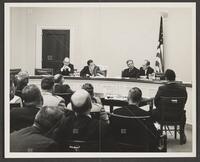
column 38, row 50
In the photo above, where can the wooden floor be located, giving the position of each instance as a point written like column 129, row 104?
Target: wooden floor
column 173, row 144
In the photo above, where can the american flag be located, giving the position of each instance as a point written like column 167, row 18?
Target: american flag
column 159, row 66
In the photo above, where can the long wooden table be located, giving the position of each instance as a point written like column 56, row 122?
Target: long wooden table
column 121, row 86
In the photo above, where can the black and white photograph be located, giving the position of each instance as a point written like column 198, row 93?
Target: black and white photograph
column 100, row 80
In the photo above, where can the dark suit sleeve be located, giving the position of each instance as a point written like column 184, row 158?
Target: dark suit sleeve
column 72, row 68
column 124, row 73
column 185, row 94
column 141, row 71
column 137, row 73
column 157, row 97
column 83, row 72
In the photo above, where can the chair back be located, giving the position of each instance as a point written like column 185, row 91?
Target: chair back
column 44, row 71
column 82, row 146
column 14, row 71
column 103, row 69
column 131, row 133
column 65, row 96
column 172, row 108
column 14, row 105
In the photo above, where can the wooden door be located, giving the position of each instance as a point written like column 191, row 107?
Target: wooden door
column 55, row 47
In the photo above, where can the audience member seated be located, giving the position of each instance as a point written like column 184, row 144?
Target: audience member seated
column 47, row 84
column 170, row 89
column 79, row 125
column 97, row 107
column 91, row 70
column 145, row 70
column 35, row 138
column 134, row 98
column 13, row 97
column 59, row 86
column 131, row 71
column 23, row 117
column 67, row 68
column 22, row 79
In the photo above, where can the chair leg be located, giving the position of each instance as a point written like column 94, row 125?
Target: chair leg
column 165, row 129
column 175, row 131
column 161, row 128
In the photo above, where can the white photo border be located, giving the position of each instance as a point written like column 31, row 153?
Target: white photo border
column 8, row 154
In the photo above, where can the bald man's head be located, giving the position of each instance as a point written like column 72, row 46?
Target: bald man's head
column 81, row 101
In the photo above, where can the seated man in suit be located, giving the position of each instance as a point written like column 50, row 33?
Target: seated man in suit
column 97, row 106
column 36, row 137
column 170, row 89
column 131, row 71
column 145, row 70
column 134, row 98
column 67, row 68
column 59, row 86
column 23, row 117
column 79, row 125
column 22, row 79
column 91, row 70
column 13, row 97
column 49, row 99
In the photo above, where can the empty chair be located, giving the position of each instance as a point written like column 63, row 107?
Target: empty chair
column 44, row 71
column 173, row 114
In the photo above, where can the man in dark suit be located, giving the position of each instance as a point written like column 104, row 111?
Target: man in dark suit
column 23, row 117
column 59, row 86
column 79, row 125
column 36, row 137
column 170, row 89
column 145, row 70
column 67, row 68
column 134, row 98
column 131, row 71
column 91, row 70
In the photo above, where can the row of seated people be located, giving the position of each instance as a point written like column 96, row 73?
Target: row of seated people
column 52, row 126
column 93, row 70
column 34, row 100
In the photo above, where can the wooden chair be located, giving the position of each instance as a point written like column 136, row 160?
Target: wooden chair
column 132, row 134
column 44, row 71
column 14, row 71
column 172, row 114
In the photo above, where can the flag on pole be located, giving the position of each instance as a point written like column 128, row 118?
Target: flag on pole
column 159, row 56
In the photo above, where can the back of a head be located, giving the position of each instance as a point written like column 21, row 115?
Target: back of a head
column 170, row 75
column 58, row 78
column 32, row 96
column 47, row 83
column 22, row 79
column 48, row 117
column 89, row 88
column 81, row 101
column 135, row 95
